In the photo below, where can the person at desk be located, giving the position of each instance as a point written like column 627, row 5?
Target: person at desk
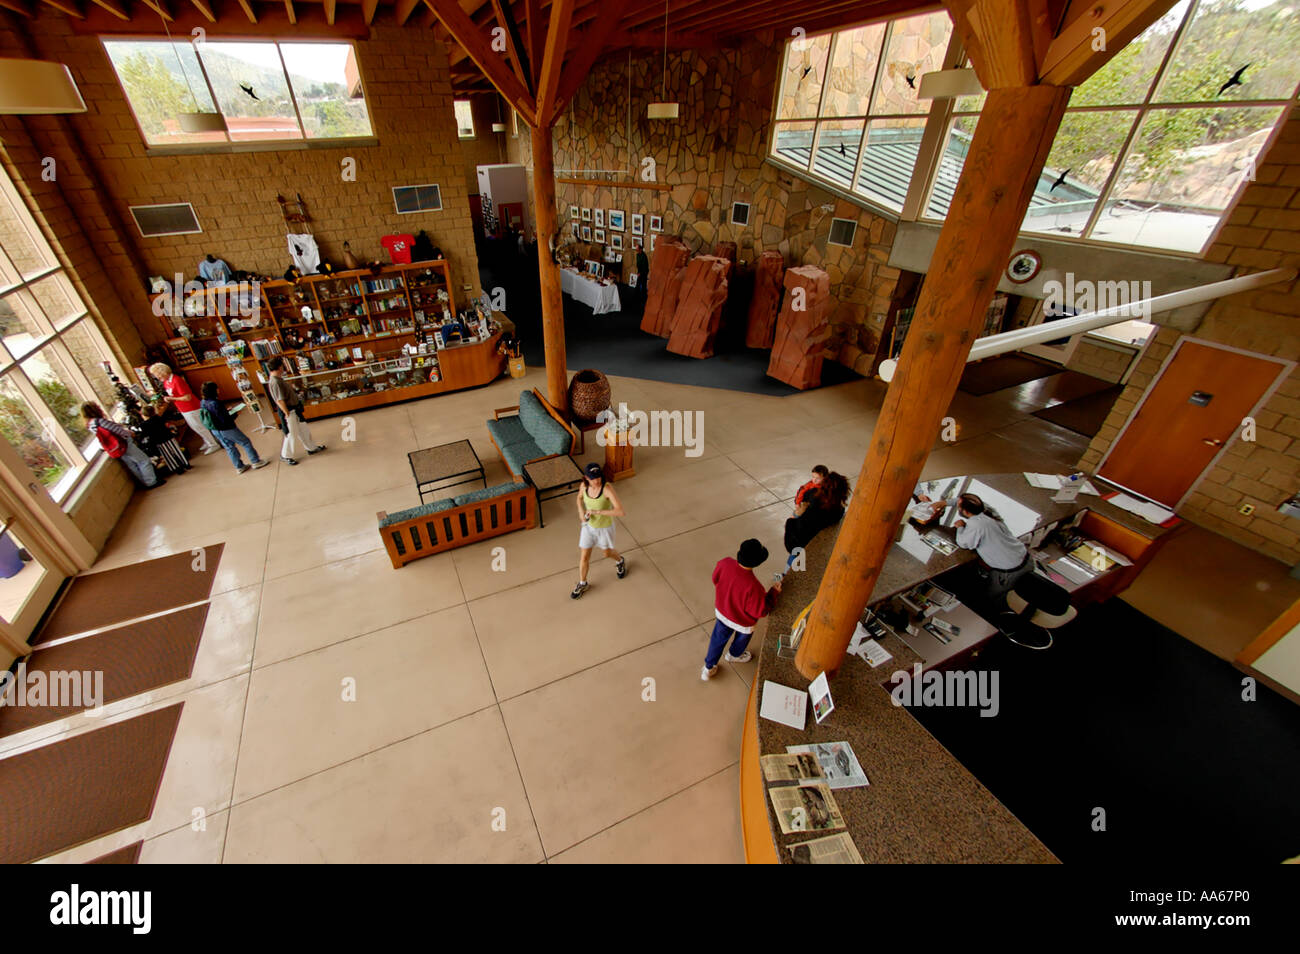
column 981, row 530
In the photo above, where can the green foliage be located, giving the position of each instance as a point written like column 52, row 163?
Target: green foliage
column 156, row 94
column 24, row 435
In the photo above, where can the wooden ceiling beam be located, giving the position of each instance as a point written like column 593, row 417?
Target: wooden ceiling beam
column 70, row 7
column 205, row 8
column 113, row 7
column 557, row 44
column 535, row 28
column 403, row 10
column 329, row 10
column 18, row 6
column 246, row 6
column 514, row 45
column 590, row 43
column 998, row 38
column 475, row 43
column 1071, row 58
column 160, row 7
column 289, row 12
column 368, row 10
column 834, row 16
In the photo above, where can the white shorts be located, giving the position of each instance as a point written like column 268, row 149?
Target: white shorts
column 598, row 537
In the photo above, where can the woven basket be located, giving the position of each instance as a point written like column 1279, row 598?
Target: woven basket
column 588, row 395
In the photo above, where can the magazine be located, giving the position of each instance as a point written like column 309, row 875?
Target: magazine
column 839, row 764
column 790, row 767
column 809, row 806
column 831, row 850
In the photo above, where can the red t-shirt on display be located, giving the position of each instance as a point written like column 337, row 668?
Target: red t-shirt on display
column 185, row 399
column 399, row 247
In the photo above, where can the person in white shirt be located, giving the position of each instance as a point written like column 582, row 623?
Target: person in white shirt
column 1006, row 557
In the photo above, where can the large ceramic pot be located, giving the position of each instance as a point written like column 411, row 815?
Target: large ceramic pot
column 588, row 395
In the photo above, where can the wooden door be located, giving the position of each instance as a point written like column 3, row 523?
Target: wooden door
column 1195, row 408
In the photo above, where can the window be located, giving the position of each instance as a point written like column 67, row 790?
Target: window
column 51, row 354
column 1149, row 152
column 843, row 231
column 267, row 92
column 156, row 220
column 464, row 119
column 417, row 198
column 740, row 213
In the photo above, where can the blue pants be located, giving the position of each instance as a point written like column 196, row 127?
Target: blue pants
column 234, row 439
column 722, row 634
column 137, row 462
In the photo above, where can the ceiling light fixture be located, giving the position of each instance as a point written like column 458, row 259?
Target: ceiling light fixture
column 197, row 121
column 29, row 87
column 664, row 109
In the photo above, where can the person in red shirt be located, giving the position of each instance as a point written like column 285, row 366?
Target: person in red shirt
column 820, row 472
column 739, row 603
column 177, row 390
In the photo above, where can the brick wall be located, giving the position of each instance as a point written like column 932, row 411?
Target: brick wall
column 486, row 148
column 1263, row 231
column 409, row 97
column 99, row 504
column 1094, row 358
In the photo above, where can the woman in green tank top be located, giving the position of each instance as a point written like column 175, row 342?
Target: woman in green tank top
column 598, row 505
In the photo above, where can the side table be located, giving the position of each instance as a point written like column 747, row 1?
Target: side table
column 618, row 456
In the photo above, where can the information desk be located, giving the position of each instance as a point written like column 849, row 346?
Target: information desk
column 922, row 805
column 601, row 299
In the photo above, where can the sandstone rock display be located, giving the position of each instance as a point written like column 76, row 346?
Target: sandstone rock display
column 760, row 327
column 802, row 332
column 726, row 250
column 666, row 265
column 698, row 318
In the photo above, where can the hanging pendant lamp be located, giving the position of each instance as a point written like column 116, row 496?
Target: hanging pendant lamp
column 29, row 87
column 664, row 109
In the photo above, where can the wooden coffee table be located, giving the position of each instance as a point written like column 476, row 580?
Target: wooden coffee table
column 455, row 462
column 558, row 475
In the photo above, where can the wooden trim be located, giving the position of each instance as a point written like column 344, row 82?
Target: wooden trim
column 457, row 526
column 288, row 11
column 1272, row 634
column 367, row 9
column 473, row 41
column 72, row 8
column 205, row 8
column 329, row 10
column 656, row 186
column 403, row 10
column 21, row 7
column 1070, row 58
column 755, row 825
column 998, row 38
column 247, row 7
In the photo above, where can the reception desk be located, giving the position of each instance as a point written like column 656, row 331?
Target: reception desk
column 922, row 805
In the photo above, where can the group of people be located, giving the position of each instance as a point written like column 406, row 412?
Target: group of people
column 1003, row 559
column 151, row 446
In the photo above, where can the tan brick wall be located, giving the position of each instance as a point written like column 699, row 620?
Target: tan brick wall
column 100, row 504
column 486, row 148
column 410, row 101
column 1092, row 357
column 1263, row 231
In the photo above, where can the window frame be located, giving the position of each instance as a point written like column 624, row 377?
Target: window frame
column 256, row 145
column 473, row 130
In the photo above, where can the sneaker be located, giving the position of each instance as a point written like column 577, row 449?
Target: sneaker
column 210, row 450
column 579, row 589
column 289, row 460
column 259, row 464
column 743, row 657
column 242, row 469
column 317, row 449
column 621, row 567
column 706, row 673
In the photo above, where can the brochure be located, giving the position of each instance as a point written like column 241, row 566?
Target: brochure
column 783, row 704
column 809, row 806
column 839, row 764
column 791, row 767
column 820, row 691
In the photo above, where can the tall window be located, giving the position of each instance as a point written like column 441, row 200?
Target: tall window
column 267, row 92
column 51, row 353
column 464, row 119
column 1151, row 151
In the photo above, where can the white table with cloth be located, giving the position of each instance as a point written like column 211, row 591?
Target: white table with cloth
column 601, row 299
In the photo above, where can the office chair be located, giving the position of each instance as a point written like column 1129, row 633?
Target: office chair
column 1037, row 606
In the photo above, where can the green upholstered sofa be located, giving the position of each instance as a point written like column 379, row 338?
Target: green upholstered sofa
column 534, row 431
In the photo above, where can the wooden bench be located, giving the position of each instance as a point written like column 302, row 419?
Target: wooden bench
column 517, row 468
column 431, row 533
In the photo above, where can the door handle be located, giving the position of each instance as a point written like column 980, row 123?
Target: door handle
column 1211, row 441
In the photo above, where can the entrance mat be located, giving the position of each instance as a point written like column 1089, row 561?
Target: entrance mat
column 68, row 792
column 136, row 658
column 1083, row 415
column 114, row 596
column 130, row 855
column 1005, row 371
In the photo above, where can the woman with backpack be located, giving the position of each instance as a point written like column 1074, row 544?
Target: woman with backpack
column 119, row 444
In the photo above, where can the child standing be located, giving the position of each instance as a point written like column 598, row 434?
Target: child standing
column 158, row 442
column 223, row 427
column 739, row 603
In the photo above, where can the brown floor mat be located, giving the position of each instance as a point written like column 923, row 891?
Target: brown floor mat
column 130, row 855
column 1083, row 415
column 114, row 596
column 68, row 792
column 133, row 659
column 1005, row 371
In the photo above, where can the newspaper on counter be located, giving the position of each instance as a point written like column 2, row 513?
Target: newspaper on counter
column 831, row 850
column 808, row 806
column 791, row 767
column 839, row 764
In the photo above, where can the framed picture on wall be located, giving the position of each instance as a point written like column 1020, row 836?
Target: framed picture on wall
column 599, row 235
column 586, row 232
column 637, row 241
column 638, row 223
column 652, row 242
column 616, row 239
column 615, row 220
column 573, row 211
column 600, row 219
column 656, row 224
column 586, row 215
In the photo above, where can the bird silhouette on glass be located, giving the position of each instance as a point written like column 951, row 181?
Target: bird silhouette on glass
column 842, row 150
column 249, row 90
column 1060, row 181
column 911, row 81
column 1235, row 80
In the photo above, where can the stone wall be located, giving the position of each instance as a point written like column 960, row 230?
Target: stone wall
column 1262, row 232
column 711, row 158
column 408, row 94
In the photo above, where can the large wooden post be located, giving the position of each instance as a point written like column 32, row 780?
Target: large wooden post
column 1007, row 153
column 557, row 376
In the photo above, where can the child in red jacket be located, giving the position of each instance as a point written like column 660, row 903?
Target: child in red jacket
column 739, row 603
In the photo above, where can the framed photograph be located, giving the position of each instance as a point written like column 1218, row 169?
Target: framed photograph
column 637, row 241
column 615, row 220
column 573, row 209
column 586, row 215
column 652, row 242
column 656, row 224
column 599, row 235
column 586, row 232
column 600, row 219
column 638, row 223
column 632, row 280
column 616, row 240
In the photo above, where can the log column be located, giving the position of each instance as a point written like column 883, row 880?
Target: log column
column 1007, row 153
column 557, row 375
